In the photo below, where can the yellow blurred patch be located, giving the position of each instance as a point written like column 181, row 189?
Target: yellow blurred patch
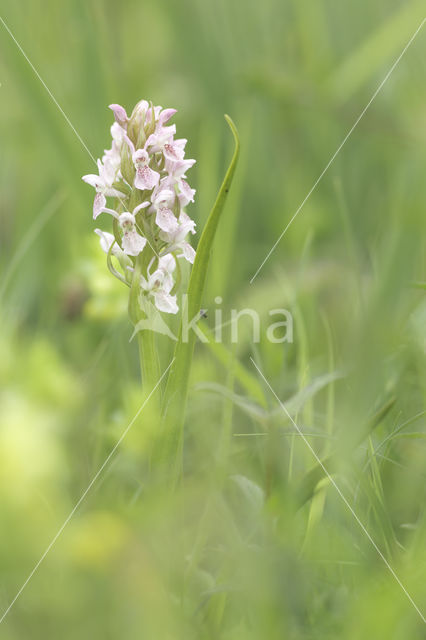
column 96, row 538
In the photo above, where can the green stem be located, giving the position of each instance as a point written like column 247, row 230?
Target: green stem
column 148, row 355
column 149, row 362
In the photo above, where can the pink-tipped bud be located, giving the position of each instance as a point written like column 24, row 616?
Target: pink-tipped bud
column 119, row 114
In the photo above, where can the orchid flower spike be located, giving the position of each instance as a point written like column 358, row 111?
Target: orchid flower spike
column 144, row 174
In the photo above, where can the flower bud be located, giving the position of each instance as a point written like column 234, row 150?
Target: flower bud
column 136, row 126
column 127, row 167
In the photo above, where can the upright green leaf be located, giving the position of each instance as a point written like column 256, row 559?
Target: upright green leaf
column 177, row 385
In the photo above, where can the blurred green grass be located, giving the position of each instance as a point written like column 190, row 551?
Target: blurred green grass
column 227, row 557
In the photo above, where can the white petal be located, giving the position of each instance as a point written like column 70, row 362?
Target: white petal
column 119, row 114
column 162, row 195
column 133, row 243
column 181, row 143
column 108, row 170
column 173, row 152
column 117, row 134
column 188, row 252
column 141, row 206
column 114, row 193
column 186, row 191
column 168, row 283
column 111, row 212
column 179, row 168
column 165, row 116
column 186, row 223
column 165, row 302
column 106, row 240
column 146, row 178
column 113, row 157
column 166, row 220
column 92, row 179
column 98, row 204
column 126, row 218
column 167, row 263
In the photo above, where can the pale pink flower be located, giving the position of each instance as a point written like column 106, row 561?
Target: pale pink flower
column 178, row 169
column 160, row 283
column 177, row 174
column 165, row 218
column 132, row 242
column 146, row 178
column 177, row 237
column 162, row 140
column 103, row 185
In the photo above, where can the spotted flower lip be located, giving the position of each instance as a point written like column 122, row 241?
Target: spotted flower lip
column 132, row 242
column 165, row 218
column 144, row 173
column 145, row 178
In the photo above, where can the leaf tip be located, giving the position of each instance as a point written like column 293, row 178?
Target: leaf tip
column 234, row 130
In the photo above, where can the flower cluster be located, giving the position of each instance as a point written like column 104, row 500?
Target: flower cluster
column 145, row 173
